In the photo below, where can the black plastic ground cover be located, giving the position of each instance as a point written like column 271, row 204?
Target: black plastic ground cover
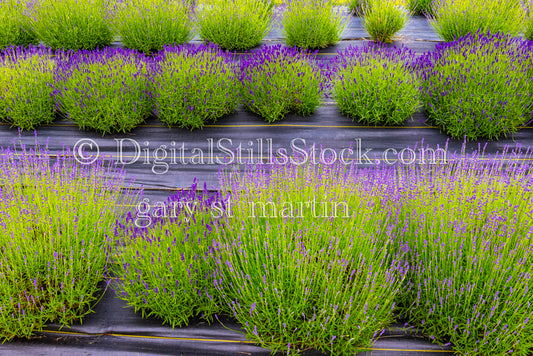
column 205, row 152
column 115, row 329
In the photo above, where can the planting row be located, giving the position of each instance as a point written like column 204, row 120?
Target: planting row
column 302, row 257
column 148, row 25
column 477, row 87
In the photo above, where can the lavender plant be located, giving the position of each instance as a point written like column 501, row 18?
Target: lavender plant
column 293, row 271
column 312, row 24
column 106, row 90
column 194, row 84
column 374, row 85
column 479, row 86
column 277, row 80
column 421, row 7
column 164, row 265
column 53, row 238
column 457, row 18
column 14, row 24
column 468, row 229
column 26, row 79
column 234, row 24
column 528, row 20
column 148, row 25
column 358, row 7
column 384, row 18
column 72, row 24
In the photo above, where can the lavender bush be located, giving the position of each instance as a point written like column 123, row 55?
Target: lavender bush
column 277, row 80
column 470, row 236
column 374, row 84
column 421, row 7
column 164, row 265
column 358, row 7
column 312, row 24
column 53, row 237
column 454, row 19
column 304, row 258
column 26, row 79
column 148, row 25
column 234, row 24
column 479, row 86
column 14, row 24
column 194, row 84
column 72, row 24
column 384, row 18
column 106, row 90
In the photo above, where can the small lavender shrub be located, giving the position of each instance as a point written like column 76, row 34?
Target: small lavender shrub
column 234, row 24
column 277, row 80
column 298, row 277
column 374, row 85
column 384, row 18
column 471, row 256
column 148, row 25
column 478, row 87
column 107, row 90
column 312, row 24
column 56, row 217
column 165, row 264
column 358, row 7
column 457, row 18
column 421, row 7
column 72, row 24
column 26, row 79
column 14, row 24
column 193, row 85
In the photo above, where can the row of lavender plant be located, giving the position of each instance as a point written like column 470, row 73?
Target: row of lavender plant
column 115, row 90
column 294, row 277
column 54, row 227
column 148, row 25
column 484, row 93
column 325, row 257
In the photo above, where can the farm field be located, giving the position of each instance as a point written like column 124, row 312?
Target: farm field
column 246, row 197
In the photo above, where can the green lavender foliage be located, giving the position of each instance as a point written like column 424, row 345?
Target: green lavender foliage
column 53, row 238
column 148, row 25
column 234, row 24
column 311, row 24
column 72, row 24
